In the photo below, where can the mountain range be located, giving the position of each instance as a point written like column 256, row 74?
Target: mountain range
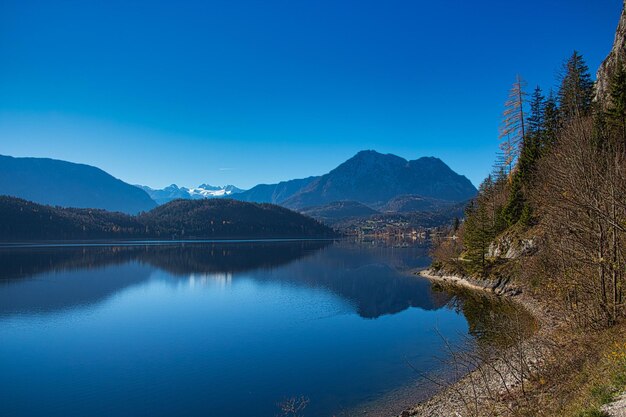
column 367, row 184
column 173, row 192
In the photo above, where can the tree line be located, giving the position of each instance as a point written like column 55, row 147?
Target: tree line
column 558, row 184
column 179, row 219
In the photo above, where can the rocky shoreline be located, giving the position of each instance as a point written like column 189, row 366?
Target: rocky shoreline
column 500, row 287
column 491, row 387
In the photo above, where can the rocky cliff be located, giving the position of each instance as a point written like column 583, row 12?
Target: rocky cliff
column 616, row 57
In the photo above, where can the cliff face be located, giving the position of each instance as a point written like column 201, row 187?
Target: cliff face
column 616, row 57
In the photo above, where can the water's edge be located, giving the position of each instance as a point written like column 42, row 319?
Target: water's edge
column 439, row 402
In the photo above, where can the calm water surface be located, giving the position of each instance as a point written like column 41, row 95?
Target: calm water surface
column 214, row 329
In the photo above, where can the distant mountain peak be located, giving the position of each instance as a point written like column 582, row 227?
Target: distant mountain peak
column 372, row 155
column 371, row 178
column 174, row 192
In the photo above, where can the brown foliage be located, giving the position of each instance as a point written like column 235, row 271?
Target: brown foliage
column 582, row 203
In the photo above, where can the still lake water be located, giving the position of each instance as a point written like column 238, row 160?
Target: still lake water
column 214, row 329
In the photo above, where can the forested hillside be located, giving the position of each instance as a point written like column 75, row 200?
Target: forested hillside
column 180, row 219
column 551, row 221
column 557, row 193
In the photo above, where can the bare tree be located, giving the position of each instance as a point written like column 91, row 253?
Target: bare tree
column 513, row 127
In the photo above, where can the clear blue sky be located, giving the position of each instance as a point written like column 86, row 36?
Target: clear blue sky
column 248, row 92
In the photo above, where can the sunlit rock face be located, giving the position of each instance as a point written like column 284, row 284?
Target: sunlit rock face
column 616, row 57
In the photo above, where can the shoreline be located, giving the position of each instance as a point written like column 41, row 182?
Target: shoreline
column 501, row 287
column 481, row 383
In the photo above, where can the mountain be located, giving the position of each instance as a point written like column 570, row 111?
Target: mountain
column 373, row 179
column 411, row 203
column 274, row 193
column 370, row 178
column 338, row 211
column 210, row 191
column 166, row 194
column 179, row 219
column 66, row 184
column 173, row 192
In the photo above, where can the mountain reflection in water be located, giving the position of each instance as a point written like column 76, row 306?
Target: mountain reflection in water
column 365, row 276
column 220, row 329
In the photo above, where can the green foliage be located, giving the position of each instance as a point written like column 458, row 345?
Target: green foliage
column 536, row 119
column 515, row 204
column 551, row 122
column 603, row 394
column 593, row 412
column 477, row 236
column 526, row 217
column 576, row 92
column 616, row 111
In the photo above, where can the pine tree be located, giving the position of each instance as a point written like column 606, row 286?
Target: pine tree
column 478, row 229
column 531, row 145
column 513, row 127
column 551, row 122
column 616, row 110
column 536, row 119
column 576, row 92
column 512, row 211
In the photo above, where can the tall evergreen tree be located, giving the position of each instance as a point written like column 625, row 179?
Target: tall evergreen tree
column 477, row 236
column 514, row 207
column 616, row 110
column 576, row 92
column 551, row 121
column 531, row 145
column 536, row 118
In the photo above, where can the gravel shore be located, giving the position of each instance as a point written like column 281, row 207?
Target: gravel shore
column 491, row 388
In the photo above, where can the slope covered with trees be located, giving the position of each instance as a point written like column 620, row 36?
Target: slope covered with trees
column 180, row 219
column 551, row 220
column 560, row 191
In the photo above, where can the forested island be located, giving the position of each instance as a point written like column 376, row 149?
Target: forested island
column 179, row 219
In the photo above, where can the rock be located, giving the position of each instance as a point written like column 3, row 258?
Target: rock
column 510, row 247
column 617, row 408
column 616, row 57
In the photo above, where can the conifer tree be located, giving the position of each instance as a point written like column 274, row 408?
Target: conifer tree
column 478, row 230
column 551, row 122
column 531, row 145
column 616, row 110
column 536, row 118
column 576, row 92
column 515, row 204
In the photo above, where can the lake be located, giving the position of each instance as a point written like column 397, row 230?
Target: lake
column 215, row 328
